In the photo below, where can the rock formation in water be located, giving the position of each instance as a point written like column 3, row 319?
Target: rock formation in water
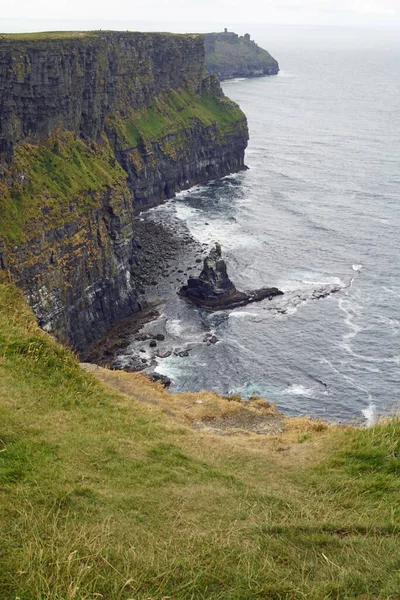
column 95, row 127
column 213, row 290
column 229, row 55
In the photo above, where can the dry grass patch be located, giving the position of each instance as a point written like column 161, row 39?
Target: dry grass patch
column 187, row 408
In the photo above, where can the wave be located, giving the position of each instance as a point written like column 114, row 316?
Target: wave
column 234, row 80
column 296, row 389
column 293, row 298
column 285, row 74
column 240, row 315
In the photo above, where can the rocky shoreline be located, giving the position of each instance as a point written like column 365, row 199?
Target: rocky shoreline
column 168, row 256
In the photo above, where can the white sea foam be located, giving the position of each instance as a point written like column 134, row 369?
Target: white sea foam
column 370, row 414
column 394, row 324
column 240, row 315
column 234, row 80
column 350, row 312
column 391, row 291
column 174, row 327
column 285, row 74
column 298, row 390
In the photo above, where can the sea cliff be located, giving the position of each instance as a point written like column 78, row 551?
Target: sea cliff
column 95, row 127
column 229, row 55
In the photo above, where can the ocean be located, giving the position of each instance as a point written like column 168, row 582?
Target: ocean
column 316, row 214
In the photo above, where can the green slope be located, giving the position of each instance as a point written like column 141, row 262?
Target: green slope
column 104, row 496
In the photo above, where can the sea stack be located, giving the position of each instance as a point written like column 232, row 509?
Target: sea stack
column 213, row 290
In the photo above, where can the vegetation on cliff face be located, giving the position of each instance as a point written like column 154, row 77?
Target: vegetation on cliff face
column 52, row 183
column 175, row 111
column 105, row 496
column 94, row 128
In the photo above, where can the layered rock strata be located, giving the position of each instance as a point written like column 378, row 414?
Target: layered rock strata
column 95, row 127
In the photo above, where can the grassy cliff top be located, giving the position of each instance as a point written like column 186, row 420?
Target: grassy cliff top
column 227, row 54
column 68, row 35
column 104, row 494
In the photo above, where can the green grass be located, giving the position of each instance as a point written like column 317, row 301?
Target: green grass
column 45, row 35
column 51, row 183
column 65, row 35
column 102, row 496
column 174, row 111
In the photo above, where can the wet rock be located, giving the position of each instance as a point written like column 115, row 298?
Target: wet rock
column 163, row 354
column 142, row 337
column 159, row 337
column 213, row 290
column 159, row 378
column 134, row 364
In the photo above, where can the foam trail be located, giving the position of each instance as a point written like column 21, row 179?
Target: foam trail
column 350, row 379
column 391, row 291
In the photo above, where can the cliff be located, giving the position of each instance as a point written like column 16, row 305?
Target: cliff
column 93, row 128
column 229, row 55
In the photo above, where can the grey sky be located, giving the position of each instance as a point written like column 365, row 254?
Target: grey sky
column 329, row 12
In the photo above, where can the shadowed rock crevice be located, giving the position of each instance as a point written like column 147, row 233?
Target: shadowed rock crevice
column 213, row 290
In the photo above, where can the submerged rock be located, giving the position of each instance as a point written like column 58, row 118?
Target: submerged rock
column 213, row 290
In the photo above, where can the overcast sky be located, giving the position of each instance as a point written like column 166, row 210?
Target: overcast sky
column 326, row 12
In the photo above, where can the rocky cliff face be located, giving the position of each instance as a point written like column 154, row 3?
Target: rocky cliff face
column 93, row 128
column 75, row 80
column 229, row 55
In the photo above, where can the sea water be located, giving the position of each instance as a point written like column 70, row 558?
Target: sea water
column 317, row 211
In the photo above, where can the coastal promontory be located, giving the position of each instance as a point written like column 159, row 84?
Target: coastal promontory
column 229, row 55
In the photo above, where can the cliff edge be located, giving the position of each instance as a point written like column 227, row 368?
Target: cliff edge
column 229, row 55
column 94, row 127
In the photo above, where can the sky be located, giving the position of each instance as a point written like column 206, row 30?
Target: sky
column 295, row 12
